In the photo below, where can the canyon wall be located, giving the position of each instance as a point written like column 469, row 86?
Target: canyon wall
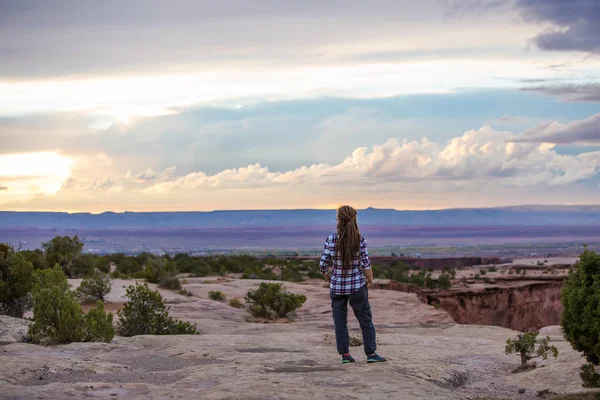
column 515, row 303
column 527, row 306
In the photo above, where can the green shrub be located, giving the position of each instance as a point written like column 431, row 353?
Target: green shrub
column 525, row 346
column 444, row 282
column 159, row 268
column 64, row 251
column 483, row 272
column 88, row 264
column 146, row 314
column 57, row 316
column 589, row 376
column 130, row 266
column 99, row 324
column 291, row 274
column 16, row 282
column 94, row 288
column 171, row 283
column 36, row 257
column 116, row 275
column 236, row 303
column 581, row 302
column 185, row 292
column 492, row 269
column 139, row 274
column 271, row 301
column 217, row 295
column 477, row 277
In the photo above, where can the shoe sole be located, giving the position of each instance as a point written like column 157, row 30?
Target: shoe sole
column 375, row 361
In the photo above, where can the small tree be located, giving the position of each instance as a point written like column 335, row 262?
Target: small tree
column 94, row 288
column 16, row 281
column 64, row 251
column 146, row 314
column 525, row 346
column 444, row 282
column 57, row 316
column 159, row 268
column 581, row 302
column 271, row 301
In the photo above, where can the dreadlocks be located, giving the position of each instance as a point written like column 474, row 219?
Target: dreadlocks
column 348, row 244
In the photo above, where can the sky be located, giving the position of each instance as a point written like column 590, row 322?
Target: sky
column 193, row 105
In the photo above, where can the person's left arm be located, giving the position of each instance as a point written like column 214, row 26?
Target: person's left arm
column 365, row 262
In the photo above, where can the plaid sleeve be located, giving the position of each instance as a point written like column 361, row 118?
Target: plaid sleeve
column 325, row 257
column 364, row 255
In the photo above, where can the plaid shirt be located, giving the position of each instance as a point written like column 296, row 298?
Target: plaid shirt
column 354, row 279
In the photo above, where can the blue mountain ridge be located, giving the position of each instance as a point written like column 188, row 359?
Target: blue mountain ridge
column 521, row 215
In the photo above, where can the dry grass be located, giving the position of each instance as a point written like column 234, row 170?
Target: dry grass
column 236, row 303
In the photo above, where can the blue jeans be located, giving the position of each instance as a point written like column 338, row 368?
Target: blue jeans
column 359, row 301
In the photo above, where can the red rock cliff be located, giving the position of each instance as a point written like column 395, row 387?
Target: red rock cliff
column 523, row 306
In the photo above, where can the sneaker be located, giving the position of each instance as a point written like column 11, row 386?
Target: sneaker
column 373, row 358
column 347, row 358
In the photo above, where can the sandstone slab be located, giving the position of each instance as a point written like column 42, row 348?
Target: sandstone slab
column 13, row 330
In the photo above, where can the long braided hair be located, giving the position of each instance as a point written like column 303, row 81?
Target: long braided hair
column 348, row 244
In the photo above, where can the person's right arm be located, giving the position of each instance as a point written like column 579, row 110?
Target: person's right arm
column 325, row 260
column 365, row 262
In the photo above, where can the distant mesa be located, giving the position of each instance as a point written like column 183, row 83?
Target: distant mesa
column 505, row 216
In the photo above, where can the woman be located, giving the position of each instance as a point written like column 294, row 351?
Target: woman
column 350, row 272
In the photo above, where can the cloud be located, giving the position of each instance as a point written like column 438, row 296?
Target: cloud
column 460, row 8
column 42, row 132
column 478, row 155
column 3, row 188
column 151, row 176
column 35, row 172
column 66, row 38
column 483, row 164
column 576, row 22
column 586, row 92
column 582, row 132
column 509, row 119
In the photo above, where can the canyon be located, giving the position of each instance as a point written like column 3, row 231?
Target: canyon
column 522, row 306
column 519, row 302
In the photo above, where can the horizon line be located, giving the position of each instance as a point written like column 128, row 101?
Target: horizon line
column 306, row 209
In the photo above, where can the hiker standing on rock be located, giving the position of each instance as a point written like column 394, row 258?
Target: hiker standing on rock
column 348, row 277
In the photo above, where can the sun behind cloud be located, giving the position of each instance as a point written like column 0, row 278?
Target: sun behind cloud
column 34, row 173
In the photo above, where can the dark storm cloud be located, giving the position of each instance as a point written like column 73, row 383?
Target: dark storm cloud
column 576, row 22
column 588, row 92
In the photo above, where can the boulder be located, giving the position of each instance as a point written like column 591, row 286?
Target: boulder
column 13, row 330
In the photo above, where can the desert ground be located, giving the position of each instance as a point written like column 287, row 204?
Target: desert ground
column 429, row 356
